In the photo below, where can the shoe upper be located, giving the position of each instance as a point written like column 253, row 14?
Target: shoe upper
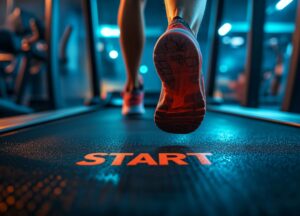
column 178, row 22
column 133, row 98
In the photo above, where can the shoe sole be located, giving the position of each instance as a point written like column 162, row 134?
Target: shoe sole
column 134, row 110
column 178, row 61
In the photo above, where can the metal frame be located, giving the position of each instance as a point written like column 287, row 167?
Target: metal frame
column 11, row 124
column 91, row 17
column 217, row 9
column 52, row 39
column 291, row 101
column 255, row 53
column 22, row 79
column 245, row 114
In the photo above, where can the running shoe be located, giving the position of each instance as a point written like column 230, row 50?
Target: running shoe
column 133, row 101
column 178, row 61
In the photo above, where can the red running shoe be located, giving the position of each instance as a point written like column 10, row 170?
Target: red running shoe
column 178, row 60
column 133, row 101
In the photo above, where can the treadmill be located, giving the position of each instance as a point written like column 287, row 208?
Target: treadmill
column 254, row 167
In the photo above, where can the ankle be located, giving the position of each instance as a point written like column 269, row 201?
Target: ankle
column 131, row 86
column 178, row 21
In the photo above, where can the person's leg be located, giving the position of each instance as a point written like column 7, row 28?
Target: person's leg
column 132, row 38
column 178, row 61
column 191, row 11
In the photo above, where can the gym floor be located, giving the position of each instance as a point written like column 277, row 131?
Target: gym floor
column 254, row 168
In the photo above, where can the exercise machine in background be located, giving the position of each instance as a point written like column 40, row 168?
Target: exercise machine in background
column 23, row 61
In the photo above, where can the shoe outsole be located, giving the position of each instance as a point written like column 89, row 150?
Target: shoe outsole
column 178, row 61
column 134, row 110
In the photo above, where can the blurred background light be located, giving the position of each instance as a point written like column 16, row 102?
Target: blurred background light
column 113, row 54
column 113, row 31
column 223, row 68
column 109, row 31
column 233, row 41
column 270, row 28
column 237, row 41
column 143, row 69
column 273, row 41
column 100, row 46
column 226, row 40
column 225, row 29
column 283, row 4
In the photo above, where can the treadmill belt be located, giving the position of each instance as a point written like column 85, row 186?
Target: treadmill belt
column 254, row 168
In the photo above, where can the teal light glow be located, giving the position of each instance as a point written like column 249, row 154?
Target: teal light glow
column 109, row 31
column 143, row 69
column 270, row 27
column 112, row 178
column 113, row 31
column 223, row 68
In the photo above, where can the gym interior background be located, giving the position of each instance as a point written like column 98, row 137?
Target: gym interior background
column 60, row 100
column 224, row 41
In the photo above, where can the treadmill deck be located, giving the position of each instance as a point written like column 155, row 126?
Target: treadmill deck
column 254, row 168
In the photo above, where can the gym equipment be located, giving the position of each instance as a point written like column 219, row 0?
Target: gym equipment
column 10, row 46
column 28, row 46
